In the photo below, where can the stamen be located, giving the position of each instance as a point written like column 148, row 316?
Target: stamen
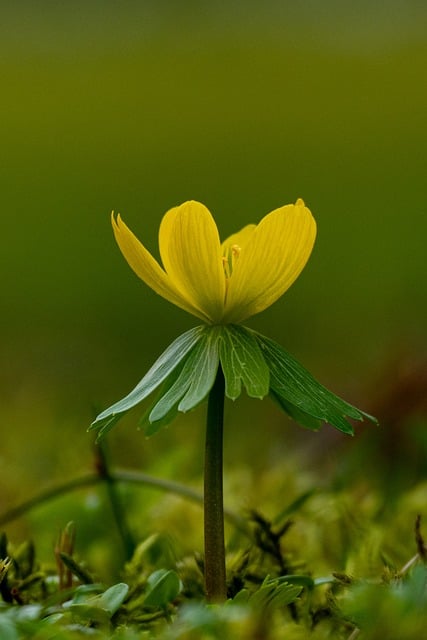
column 232, row 253
column 235, row 250
column 226, row 266
column 229, row 259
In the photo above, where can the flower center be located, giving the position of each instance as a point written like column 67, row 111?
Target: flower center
column 230, row 258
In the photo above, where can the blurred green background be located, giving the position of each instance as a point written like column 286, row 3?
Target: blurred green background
column 245, row 106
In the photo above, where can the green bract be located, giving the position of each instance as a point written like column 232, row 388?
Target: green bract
column 185, row 373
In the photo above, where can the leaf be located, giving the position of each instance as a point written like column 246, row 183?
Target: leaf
column 167, row 362
column 204, row 372
column 299, row 580
column 304, row 419
column 274, row 593
column 241, row 597
column 243, row 361
column 297, row 390
column 80, row 572
column 195, row 379
column 163, row 586
column 154, row 425
column 8, row 630
column 112, row 599
column 105, row 424
column 81, row 593
column 89, row 612
column 151, row 428
column 102, row 607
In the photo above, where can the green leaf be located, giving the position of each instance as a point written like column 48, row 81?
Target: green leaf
column 304, row 419
column 102, row 607
column 113, row 597
column 88, row 612
column 296, row 579
column 195, row 379
column 301, row 395
column 160, row 370
column 153, row 426
column 163, row 586
column 8, row 630
column 105, row 424
column 241, row 597
column 243, row 362
column 274, row 593
column 204, row 371
column 79, row 571
column 80, row 594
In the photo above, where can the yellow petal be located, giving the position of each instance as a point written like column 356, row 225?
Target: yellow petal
column 147, row 268
column 232, row 246
column 240, row 238
column 271, row 260
column 191, row 254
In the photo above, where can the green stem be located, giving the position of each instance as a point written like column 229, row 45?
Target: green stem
column 215, row 578
column 119, row 475
column 103, row 467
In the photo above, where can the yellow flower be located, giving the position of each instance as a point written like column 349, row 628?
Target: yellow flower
column 222, row 283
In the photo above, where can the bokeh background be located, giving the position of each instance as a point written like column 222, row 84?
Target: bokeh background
column 245, row 106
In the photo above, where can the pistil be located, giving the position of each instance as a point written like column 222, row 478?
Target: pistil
column 229, row 260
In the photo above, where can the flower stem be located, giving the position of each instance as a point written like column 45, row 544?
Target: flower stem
column 215, row 579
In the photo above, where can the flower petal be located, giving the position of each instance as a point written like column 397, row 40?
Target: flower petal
column 147, row 268
column 271, row 260
column 191, row 254
column 239, row 239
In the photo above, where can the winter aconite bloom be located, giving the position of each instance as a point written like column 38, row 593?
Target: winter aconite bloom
column 222, row 283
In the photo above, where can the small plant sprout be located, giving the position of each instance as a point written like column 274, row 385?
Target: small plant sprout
column 223, row 284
